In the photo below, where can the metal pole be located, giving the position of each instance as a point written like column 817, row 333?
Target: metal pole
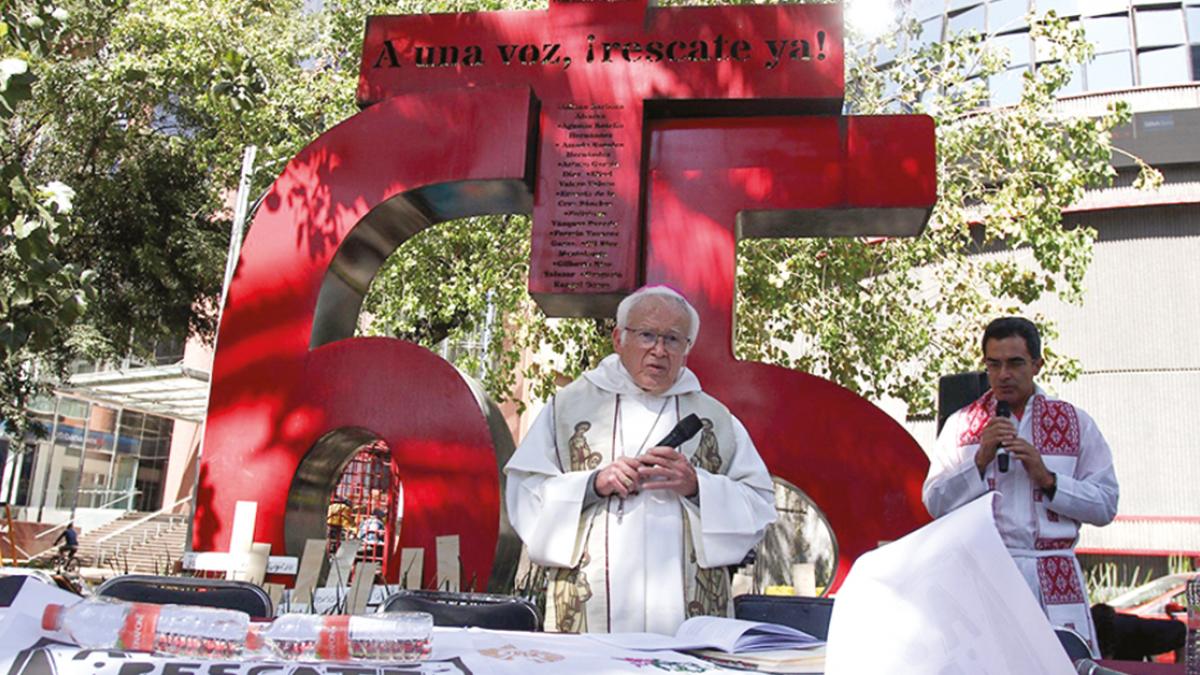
column 12, row 536
column 240, row 207
column 87, row 426
column 112, row 459
column 16, row 467
column 50, row 459
column 486, row 338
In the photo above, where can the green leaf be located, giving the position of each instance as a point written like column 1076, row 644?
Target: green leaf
column 26, row 227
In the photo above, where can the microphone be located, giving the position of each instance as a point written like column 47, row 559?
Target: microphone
column 682, row 433
column 1002, row 410
column 1090, row 667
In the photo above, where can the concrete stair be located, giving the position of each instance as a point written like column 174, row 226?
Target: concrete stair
column 152, row 547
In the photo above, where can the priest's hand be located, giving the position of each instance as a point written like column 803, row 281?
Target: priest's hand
column 1032, row 459
column 999, row 431
column 666, row 468
column 619, row 478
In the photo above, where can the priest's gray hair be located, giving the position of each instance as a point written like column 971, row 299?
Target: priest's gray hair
column 672, row 295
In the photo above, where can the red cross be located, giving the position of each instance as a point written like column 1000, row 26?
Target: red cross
column 599, row 71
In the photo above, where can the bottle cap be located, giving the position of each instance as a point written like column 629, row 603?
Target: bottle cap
column 52, row 617
column 254, row 638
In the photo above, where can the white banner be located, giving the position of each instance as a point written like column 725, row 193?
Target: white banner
column 50, row 659
column 212, row 561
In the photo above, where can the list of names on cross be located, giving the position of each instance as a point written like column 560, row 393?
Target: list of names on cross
column 585, row 227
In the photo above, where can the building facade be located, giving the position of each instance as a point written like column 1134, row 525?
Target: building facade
column 1136, row 328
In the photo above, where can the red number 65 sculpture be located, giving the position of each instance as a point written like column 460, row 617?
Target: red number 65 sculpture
column 294, row 394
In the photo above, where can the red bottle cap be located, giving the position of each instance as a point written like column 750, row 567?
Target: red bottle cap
column 52, row 617
column 254, row 638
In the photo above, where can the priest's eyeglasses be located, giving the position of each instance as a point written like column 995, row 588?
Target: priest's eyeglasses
column 646, row 339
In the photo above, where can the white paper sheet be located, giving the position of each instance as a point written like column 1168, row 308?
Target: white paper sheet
column 945, row 599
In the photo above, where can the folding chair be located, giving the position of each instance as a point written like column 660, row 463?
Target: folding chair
column 239, row 595
column 482, row 610
column 1073, row 643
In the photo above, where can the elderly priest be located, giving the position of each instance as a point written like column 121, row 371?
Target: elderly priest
column 635, row 536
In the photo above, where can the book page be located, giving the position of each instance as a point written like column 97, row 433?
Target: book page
column 737, row 635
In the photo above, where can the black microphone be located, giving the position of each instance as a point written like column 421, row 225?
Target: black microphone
column 1002, row 410
column 1090, row 667
column 682, row 433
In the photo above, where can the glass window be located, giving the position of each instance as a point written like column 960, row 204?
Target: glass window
column 1017, row 45
column 1075, row 85
column 1006, row 87
column 1163, row 66
column 42, row 404
column 1109, row 33
column 1060, row 7
column 923, row 9
column 972, row 19
column 73, row 408
column 1157, row 28
column 1195, row 62
column 1099, row 7
column 931, row 31
column 1193, row 24
column 1110, row 71
column 1007, row 14
column 169, row 349
column 891, row 88
column 962, row 4
column 1044, row 50
column 885, row 54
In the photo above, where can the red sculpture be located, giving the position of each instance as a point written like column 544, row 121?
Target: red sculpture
column 637, row 138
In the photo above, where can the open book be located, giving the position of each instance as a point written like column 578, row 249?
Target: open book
column 732, row 636
column 807, row 660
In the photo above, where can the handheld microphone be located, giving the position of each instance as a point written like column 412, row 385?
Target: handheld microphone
column 1002, row 410
column 683, row 432
column 1090, row 667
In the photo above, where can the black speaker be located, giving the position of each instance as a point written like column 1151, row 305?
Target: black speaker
column 956, row 391
column 811, row 615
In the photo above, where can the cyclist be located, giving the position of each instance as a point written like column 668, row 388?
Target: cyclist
column 70, row 544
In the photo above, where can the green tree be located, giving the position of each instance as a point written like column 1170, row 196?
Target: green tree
column 42, row 292
column 142, row 108
column 886, row 318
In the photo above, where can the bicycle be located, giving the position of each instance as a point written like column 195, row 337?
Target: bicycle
column 63, row 563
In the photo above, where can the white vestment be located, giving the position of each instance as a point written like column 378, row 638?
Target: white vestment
column 1040, row 532
column 635, row 553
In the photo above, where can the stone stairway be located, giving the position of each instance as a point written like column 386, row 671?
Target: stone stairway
column 152, row 547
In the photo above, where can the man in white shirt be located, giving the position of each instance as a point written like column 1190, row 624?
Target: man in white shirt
column 1059, row 471
column 635, row 536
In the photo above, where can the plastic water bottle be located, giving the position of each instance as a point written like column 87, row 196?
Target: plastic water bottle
column 392, row 637
column 178, row 630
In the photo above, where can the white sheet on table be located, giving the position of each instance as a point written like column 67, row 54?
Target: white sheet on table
column 945, row 599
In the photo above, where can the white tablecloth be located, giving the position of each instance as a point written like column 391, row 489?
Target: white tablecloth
column 27, row 650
